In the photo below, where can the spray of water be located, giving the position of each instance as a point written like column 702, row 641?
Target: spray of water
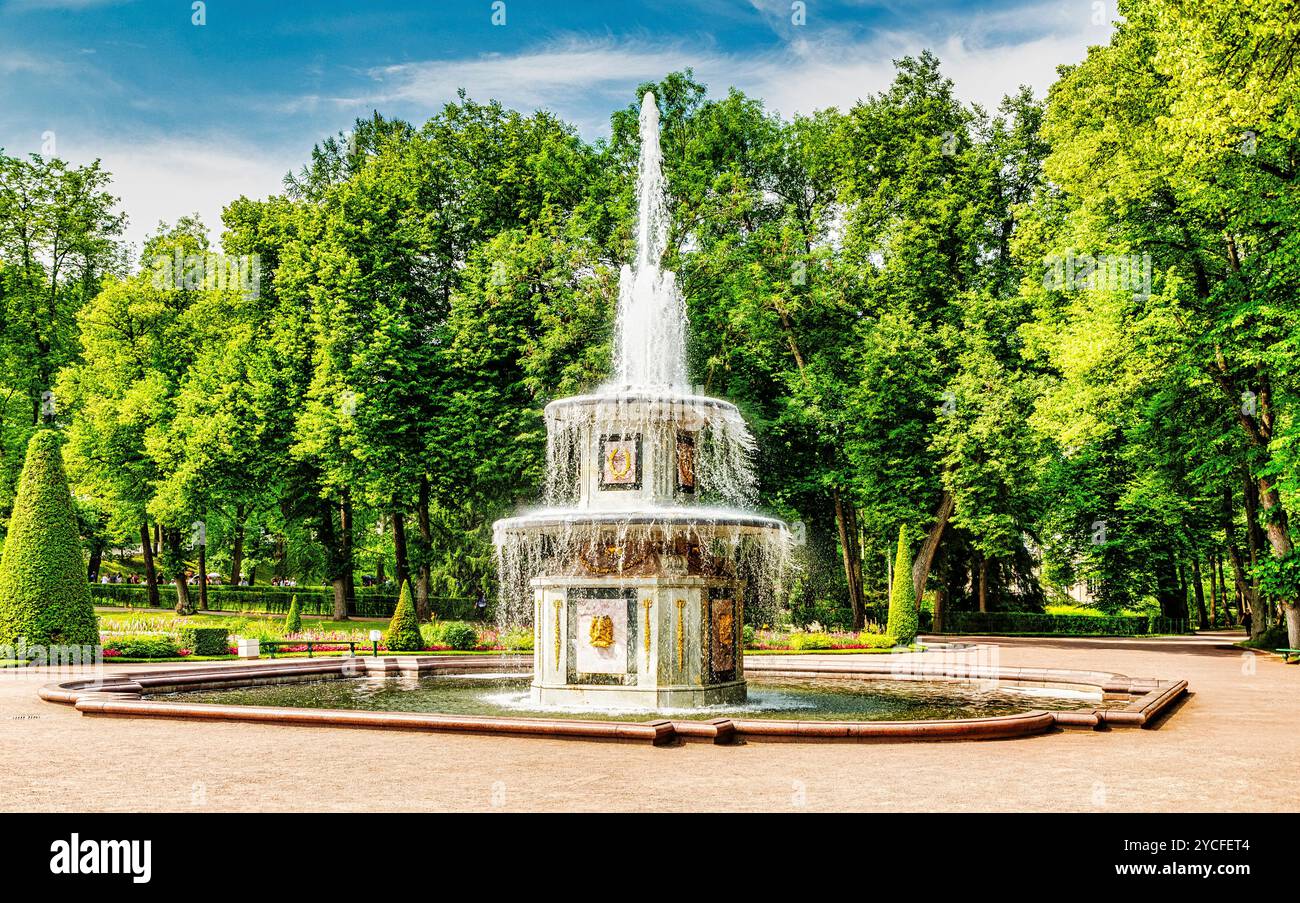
column 650, row 336
column 714, row 524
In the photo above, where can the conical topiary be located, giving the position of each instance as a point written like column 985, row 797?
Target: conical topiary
column 293, row 620
column 902, row 598
column 404, row 629
column 44, row 596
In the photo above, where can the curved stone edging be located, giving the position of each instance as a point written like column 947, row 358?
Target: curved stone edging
column 121, row 696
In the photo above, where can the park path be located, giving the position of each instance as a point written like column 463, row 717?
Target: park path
column 1233, row 744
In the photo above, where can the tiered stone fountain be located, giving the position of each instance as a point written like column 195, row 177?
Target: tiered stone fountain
column 636, row 573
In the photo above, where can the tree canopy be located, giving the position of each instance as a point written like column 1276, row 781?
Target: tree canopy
column 1054, row 343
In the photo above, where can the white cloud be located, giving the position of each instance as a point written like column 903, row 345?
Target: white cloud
column 986, row 55
column 166, row 179
column 583, row 79
column 26, row 5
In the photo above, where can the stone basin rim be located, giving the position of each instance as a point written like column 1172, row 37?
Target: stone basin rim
column 697, row 518
column 121, row 695
column 640, row 395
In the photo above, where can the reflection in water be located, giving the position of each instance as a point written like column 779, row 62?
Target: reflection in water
column 789, row 698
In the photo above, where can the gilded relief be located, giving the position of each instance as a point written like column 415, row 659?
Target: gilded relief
column 724, row 634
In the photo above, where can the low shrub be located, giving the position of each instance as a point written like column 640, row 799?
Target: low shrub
column 816, row 640
column 143, row 646
column 517, row 639
column 868, row 640
column 1012, row 622
column 1079, row 611
column 459, row 636
column 749, row 636
column 204, row 640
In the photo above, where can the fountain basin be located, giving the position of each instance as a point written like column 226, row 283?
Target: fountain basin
column 1135, row 702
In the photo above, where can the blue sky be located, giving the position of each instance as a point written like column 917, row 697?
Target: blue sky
column 188, row 117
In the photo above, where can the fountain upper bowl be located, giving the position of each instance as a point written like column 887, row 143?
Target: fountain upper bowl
column 615, row 402
column 698, row 518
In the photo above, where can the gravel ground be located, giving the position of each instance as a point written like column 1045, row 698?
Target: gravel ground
column 1231, row 745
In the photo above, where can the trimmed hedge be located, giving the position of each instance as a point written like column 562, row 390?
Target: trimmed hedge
column 204, row 640
column 44, row 599
column 1062, row 625
column 293, row 620
column 371, row 603
column 143, row 646
column 902, row 597
column 404, row 629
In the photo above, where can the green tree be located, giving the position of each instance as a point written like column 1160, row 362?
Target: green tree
column 1155, row 157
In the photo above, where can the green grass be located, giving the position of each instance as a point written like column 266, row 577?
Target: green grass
column 823, row 651
column 142, row 620
column 319, row 653
column 1078, row 611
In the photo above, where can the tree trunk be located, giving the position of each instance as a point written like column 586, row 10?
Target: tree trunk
column 855, row 532
column 203, row 577
column 157, row 540
column 1259, row 608
column 334, row 570
column 1234, row 555
column 422, row 587
column 984, row 584
column 150, row 570
column 403, row 571
column 96, row 560
column 346, row 544
column 940, row 599
column 176, row 565
column 379, row 559
column 1281, row 547
column 1198, row 588
column 1223, row 589
column 237, row 553
column 847, row 554
column 1214, row 591
column 281, row 566
column 925, row 557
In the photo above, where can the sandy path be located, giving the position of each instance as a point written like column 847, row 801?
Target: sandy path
column 1237, row 725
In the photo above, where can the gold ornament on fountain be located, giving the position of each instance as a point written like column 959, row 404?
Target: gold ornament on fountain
column 619, row 463
column 558, row 606
column 648, row 604
column 602, row 631
column 681, row 634
column 726, row 633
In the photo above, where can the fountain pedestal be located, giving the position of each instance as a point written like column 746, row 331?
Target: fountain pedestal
column 644, row 642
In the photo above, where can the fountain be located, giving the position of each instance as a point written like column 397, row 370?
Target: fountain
column 636, row 575
column 636, row 572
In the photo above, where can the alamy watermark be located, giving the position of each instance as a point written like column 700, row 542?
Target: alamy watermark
column 977, row 663
column 82, row 661
column 1072, row 271
column 208, row 272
